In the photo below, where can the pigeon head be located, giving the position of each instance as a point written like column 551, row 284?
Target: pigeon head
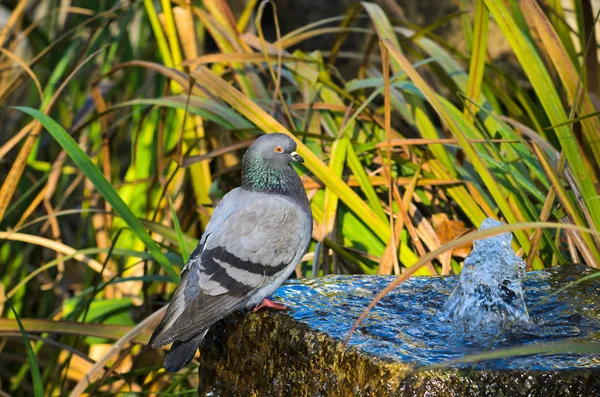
column 277, row 150
column 266, row 166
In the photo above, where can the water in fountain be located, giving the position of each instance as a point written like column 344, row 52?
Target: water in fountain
column 489, row 296
column 410, row 326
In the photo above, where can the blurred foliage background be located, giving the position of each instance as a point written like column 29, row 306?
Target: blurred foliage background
column 124, row 123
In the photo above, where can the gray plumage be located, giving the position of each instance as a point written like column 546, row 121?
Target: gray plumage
column 256, row 237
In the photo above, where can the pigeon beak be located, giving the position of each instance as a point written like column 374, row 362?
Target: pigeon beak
column 297, row 157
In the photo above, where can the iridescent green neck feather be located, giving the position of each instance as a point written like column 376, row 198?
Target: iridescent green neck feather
column 261, row 176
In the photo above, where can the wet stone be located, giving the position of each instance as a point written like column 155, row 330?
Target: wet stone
column 300, row 352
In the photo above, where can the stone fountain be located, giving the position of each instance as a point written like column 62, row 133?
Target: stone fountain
column 425, row 322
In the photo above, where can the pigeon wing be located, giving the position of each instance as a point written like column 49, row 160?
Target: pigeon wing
column 254, row 244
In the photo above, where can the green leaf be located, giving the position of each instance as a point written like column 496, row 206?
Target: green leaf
column 182, row 244
column 169, row 233
column 336, row 167
column 104, row 187
column 364, row 182
column 105, row 311
column 208, row 109
column 478, row 54
column 38, row 388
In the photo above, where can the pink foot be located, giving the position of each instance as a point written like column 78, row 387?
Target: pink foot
column 269, row 303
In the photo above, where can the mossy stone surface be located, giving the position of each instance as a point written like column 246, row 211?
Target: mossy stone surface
column 272, row 354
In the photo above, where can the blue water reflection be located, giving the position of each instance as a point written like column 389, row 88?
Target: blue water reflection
column 408, row 324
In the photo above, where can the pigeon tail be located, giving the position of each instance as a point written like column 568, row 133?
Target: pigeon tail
column 182, row 352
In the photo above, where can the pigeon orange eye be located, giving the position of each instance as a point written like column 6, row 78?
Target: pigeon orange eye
column 278, row 149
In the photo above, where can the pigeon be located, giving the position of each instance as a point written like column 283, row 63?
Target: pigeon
column 254, row 240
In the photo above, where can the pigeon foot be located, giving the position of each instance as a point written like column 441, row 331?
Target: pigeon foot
column 269, row 303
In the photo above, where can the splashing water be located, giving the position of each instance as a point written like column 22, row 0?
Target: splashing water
column 489, row 296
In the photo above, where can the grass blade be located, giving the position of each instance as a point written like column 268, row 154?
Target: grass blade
column 330, row 207
column 35, row 325
column 38, row 388
column 103, row 186
column 364, row 182
column 526, row 350
column 185, row 253
column 478, row 53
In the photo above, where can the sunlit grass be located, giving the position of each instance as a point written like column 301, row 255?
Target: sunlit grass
column 121, row 132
